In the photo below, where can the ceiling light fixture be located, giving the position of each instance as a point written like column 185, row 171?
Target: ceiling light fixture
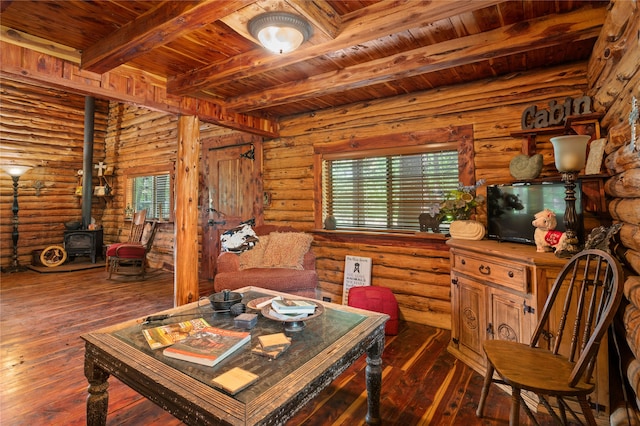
column 280, row 32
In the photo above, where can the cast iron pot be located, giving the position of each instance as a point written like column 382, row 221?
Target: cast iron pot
column 224, row 300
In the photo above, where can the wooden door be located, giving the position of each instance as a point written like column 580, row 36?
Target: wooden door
column 232, row 194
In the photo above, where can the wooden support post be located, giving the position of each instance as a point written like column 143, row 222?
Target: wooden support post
column 186, row 225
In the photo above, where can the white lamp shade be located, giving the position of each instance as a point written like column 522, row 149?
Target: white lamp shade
column 280, row 39
column 13, row 170
column 570, row 152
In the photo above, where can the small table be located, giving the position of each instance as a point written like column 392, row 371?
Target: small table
column 319, row 353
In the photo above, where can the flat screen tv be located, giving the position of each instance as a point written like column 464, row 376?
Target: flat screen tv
column 511, row 209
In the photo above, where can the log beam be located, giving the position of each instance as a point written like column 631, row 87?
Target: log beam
column 158, row 27
column 186, row 225
column 124, row 84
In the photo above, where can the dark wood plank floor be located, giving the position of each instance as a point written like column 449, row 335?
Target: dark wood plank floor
column 42, row 380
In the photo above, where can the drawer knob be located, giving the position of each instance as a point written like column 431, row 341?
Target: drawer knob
column 485, row 270
column 510, row 274
column 463, row 262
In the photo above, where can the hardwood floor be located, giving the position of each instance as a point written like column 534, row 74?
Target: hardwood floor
column 42, row 380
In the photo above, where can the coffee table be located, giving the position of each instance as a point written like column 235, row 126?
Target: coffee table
column 320, row 352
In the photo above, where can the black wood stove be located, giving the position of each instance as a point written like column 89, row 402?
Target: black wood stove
column 87, row 242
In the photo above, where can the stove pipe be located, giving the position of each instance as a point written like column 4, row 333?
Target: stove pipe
column 87, row 160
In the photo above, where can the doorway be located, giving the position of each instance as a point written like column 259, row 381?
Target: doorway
column 231, row 191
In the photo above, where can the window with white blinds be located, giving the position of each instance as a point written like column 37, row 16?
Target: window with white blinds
column 152, row 192
column 386, row 192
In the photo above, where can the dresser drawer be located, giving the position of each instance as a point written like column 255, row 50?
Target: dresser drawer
column 511, row 275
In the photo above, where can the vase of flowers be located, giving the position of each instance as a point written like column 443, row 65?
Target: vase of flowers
column 456, row 209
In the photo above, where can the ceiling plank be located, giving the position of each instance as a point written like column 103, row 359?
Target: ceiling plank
column 19, row 38
column 552, row 30
column 159, row 26
column 378, row 20
column 320, row 14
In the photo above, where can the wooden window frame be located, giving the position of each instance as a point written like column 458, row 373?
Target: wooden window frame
column 409, row 142
column 151, row 171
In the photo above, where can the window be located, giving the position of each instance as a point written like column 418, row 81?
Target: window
column 386, row 188
column 387, row 192
column 151, row 191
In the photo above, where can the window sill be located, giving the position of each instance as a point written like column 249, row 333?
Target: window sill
column 405, row 239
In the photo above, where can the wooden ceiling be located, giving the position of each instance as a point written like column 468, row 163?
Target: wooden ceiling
column 361, row 50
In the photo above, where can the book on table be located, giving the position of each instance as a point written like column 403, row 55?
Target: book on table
column 287, row 317
column 168, row 334
column 208, row 346
column 288, row 306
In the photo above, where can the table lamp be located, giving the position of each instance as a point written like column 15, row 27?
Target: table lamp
column 570, row 154
column 15, row 172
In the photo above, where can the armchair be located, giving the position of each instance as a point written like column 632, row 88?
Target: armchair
column 282, row 260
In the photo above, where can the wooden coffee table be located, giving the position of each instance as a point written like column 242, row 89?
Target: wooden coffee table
column 320, row 352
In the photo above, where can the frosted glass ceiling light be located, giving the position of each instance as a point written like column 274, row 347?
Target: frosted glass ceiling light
column 280, row 32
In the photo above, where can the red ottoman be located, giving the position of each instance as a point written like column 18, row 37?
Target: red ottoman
column 377, row 299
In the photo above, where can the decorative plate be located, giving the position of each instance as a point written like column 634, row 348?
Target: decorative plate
column 293, row 324
column 253, row 304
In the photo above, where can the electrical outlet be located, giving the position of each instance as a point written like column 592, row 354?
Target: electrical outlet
column 326, row 299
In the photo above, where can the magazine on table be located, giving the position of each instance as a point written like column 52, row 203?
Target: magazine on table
column 168, row 334
column 208, row 346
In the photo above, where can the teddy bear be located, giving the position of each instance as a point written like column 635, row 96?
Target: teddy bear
column 545, row 235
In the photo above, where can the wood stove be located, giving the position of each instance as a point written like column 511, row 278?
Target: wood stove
column 87, row 242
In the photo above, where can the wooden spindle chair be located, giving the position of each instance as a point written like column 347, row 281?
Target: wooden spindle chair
column 560, row 359
column 135, row 235
column 131, row 259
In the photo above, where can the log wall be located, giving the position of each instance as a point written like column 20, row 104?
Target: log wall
column 614, row 79
column 140, row 138
column 44, row 129
column 418, row 275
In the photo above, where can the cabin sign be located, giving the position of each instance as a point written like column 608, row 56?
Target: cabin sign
column 556, row 114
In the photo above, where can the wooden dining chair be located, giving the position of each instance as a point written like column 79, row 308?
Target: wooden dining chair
column 559, row 361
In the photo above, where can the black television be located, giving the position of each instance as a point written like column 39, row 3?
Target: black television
column 511, row 209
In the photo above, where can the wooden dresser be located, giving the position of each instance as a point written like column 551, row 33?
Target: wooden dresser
column 497, row 292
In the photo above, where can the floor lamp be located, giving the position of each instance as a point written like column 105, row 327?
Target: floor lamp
column 15, row 172
column 570, row 154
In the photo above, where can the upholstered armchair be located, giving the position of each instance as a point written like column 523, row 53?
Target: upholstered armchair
column 282, row 260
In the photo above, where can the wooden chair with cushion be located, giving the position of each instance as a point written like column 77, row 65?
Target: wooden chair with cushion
column 131, row 258
column 560, row 359
column 135, row 234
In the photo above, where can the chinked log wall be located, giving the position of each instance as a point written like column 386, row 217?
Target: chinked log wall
column 417, row 273
column 614, row 78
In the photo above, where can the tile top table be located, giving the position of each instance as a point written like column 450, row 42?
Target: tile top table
column 320, row 352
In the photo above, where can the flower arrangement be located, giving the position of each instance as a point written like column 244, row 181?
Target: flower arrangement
column 459, row 203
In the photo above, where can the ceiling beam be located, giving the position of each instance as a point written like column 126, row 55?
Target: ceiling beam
column 118, row 85
column 548, row 31
column 379, row 20
column 157, row 27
